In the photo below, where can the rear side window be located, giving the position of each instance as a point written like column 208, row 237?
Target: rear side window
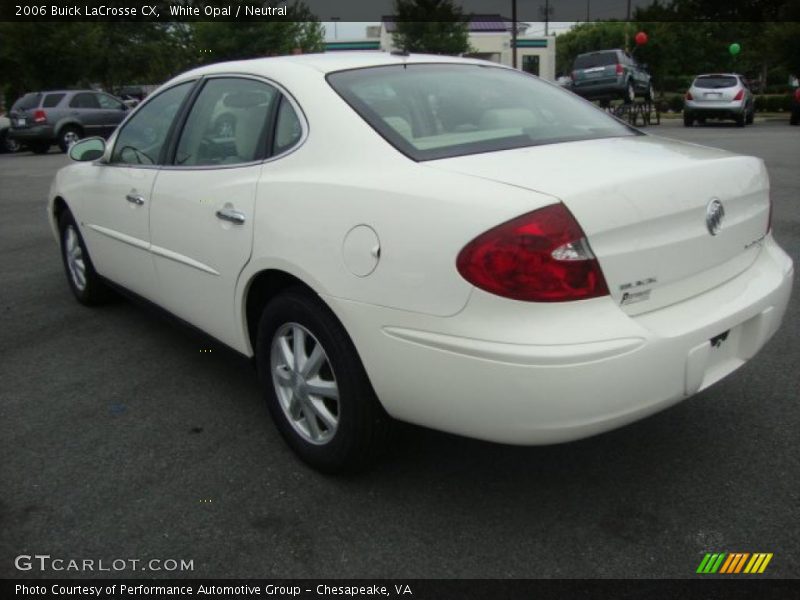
column 27, row 102
column 715, row 82
column 84, row 100
column 288, row 129
column 51, row 100
column 595, row 59
column 227, row 124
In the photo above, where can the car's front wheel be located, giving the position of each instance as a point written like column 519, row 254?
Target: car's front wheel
column 85, row 283
column 316, row 388
column 630, row 93
column 68, row 136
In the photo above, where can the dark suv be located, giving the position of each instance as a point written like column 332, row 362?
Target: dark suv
column 608, row 75
column 41, row 119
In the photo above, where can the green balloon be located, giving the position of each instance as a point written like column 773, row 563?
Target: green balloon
column 734, row 49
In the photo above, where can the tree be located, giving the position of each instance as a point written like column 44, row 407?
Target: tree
column 431, row 26
column 231, row 40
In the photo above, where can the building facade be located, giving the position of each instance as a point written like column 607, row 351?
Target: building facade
column 490, row 38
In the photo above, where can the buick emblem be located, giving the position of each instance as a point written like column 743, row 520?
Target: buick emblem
column 715, row 213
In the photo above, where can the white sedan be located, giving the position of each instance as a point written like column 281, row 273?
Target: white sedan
column 436, row 240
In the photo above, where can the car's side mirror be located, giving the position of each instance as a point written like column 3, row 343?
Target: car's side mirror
column 88, row 149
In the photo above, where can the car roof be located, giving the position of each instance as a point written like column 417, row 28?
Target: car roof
column 718, row 75
column 600, row 51
column 329, row 62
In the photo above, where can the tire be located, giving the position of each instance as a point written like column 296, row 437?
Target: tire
column 688, row 120
column 750, row 118
column 741, row 120
column 68, row 136
column 358, row 430
column 630, row 93
column 650, row 94
column 795, row 118
column 8, row 144
column 39, row 147
column 83, row 280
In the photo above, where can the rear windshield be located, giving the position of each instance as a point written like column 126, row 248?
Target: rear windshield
column 595, row 59
column 715, row 81
column 51, row 100
column 27, row 102
column 430, row 111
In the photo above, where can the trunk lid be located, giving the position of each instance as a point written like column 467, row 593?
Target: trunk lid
column 644, row 203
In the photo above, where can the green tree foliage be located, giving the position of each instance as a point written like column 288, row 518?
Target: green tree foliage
column 39, row 56
column 431, row 26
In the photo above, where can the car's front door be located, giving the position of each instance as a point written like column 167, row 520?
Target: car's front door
column 201, row 219
column 115, row 202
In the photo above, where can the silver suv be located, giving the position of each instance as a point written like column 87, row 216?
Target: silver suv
column 41, row 119
column 719, row 96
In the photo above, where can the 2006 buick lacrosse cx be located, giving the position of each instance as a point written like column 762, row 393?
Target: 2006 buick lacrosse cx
column 435, row 240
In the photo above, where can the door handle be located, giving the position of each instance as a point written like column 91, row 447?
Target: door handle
column 135, row 199
column 232, row 215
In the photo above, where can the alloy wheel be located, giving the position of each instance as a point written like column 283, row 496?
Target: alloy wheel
column 305, row 384
column 74, row 255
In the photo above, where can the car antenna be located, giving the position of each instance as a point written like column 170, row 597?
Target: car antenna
column 402, row 53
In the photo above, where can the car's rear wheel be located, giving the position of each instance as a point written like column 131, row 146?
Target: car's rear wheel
column 750, row 117
column 83, row 280
column 39, row 147
column 8, row 144
column 68, row 136
column 741, row 120
column 795, row 118
column 688, row 120
column 316, row 388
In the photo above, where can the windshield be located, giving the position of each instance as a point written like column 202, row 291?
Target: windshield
column 430, row 111
column 595, row 59
column 714, row 82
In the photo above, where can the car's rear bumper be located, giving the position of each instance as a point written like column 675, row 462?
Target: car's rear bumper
column 521, row 373
column 715, row 110
column 599, row 90
column 37, row 133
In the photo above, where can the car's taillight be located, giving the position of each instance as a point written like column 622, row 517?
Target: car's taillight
column 797, row 94
column 739, row 95
column 689, row 96
column 541, row 256
column 619, row 69
column 39, row 116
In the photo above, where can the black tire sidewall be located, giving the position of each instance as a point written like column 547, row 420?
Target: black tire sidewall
column 360, row 415
column 95, row 292
column 62, row 143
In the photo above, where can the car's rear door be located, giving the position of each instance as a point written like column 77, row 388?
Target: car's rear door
column 84, row 108
column 115, row 200
column 203, row 204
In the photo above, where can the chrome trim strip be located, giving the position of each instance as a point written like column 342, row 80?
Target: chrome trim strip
column 120, row 237
column 180, row 258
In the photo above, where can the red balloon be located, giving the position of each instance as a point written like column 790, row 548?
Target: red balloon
column 641, row 38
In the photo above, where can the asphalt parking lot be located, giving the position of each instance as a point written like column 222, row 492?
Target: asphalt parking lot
column 121, row 436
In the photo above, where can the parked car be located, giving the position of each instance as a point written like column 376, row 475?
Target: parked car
column 719, row 96
column 609, row 75
column 404, row 237
column 794, row 119
column 41, row 119
column 7, row 144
